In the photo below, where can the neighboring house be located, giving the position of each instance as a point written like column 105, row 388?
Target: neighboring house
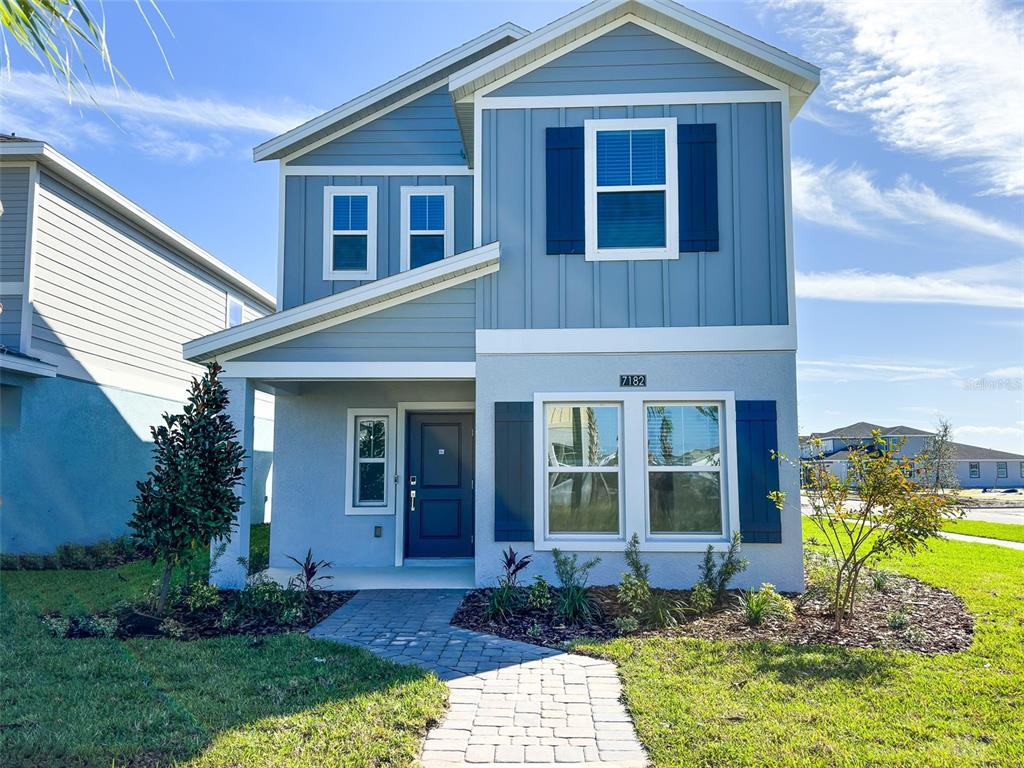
column 538, row 293
column 98, row 296
column 974, row 467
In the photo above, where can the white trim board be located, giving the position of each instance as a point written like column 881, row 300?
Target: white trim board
column 352, row 371
column 715, row 338
column 370, row 272
column 357, row 302
column 30, row 367
column 654, row 98
column 352, row 416
column 376, row 170
column 275, row 147
column 31, row 235
column 404, row 408
column 405, row 247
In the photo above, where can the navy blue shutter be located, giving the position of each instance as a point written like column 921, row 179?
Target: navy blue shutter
column 756, row 438
column 513, row 471
column 564, row 169
column 698, row 187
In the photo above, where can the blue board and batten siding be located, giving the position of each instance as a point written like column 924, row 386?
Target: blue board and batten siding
column 629, row 59
column 422, row 132
column 13, row 223
column 744, row 282
column 304, row 229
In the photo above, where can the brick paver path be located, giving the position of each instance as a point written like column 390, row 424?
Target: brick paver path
column 511, row 703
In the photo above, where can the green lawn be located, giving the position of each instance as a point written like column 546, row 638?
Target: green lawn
column 1004, row 531
column 702, row 703
column 284, row 700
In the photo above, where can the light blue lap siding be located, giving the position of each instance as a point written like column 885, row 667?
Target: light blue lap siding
column 304, row 228
column 423, row 132
column 439, row 327
column 743, row 283
column 630, row 59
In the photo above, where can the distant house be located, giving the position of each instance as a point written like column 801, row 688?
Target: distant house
column 975, row 467
column 538, row 292
column 97, row 296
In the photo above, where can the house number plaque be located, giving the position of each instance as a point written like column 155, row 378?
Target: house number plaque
column 632, row 379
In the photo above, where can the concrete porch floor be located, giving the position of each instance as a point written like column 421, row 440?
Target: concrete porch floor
column 459, row 576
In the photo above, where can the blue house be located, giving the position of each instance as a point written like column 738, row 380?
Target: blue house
column 537, row 293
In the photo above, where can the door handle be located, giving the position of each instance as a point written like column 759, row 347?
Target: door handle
column 412, row 500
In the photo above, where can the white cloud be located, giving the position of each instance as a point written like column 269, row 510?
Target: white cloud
column 180, row 127
column 872, row 370
column 1013, row 372
column 1001, row 438
column 942, row 79
column 849, row 198
column 994, row 285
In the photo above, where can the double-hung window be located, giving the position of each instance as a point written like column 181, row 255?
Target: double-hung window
column 1001, row 469
column 974, row 469
column 684, row 468
column 631, row 179
column 369, row 478
column 582, row 469
column 428, row 218
column 350, row 233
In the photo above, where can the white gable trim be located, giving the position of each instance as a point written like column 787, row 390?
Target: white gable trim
column 343, row 307
column 290, row 138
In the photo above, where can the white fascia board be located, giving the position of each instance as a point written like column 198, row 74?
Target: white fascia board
column 332, row 310
column 376, row 170
column 286, row 141
column 466, row 78
column 357, row 371
column 28, row 366
column 70, row 171
column 717, row 338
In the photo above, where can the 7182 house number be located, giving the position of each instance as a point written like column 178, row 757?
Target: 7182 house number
column 632, row 379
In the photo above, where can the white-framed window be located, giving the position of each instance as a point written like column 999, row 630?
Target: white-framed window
column 658, row 464
column 1022, row 469
column 684, row 469
column 350, row 233
column 234, row 310
column 630, row 172
column 1001, row 469
column 428, row 225
column 370, row 469
column 583, row 473
column 974, row 469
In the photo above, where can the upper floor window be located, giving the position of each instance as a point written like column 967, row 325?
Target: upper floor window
column 233, row 312
column 350, row 233
column 630, row 176
column 428, row 219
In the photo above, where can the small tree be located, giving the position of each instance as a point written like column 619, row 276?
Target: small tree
column 876, row 509
column 939, row 459
column 188, row 498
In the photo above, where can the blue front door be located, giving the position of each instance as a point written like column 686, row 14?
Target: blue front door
column 439, row 485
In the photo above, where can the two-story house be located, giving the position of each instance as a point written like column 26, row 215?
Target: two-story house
column 96, row 297
column 537, row 292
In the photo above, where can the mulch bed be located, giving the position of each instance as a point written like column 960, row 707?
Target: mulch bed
column 184, row 625
column 936, row 621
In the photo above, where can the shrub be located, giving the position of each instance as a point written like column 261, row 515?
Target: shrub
column 75, row 556
column 635, row 587
column 763, row 604
column 897, row 619
column 201, row 596
column 880, row 580
column 718, row 575
column 661, row 611
column 102, row 554
column 309, row 577
column 702, row 599
column 266, row 600
column 534, row 630
column 10, row 562
column 58, row 626
column 626, row 625
column 97, row 626
column 539, row 597
column 502, row 602
column 512, row 564
column 574, row 602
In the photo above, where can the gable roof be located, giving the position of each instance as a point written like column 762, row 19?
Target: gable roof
column 348, row 305
column 961, row 452
column 17, row 148
column 859, row 429
column 391, row 93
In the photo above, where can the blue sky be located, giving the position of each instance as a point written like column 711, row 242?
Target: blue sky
column 908, row 168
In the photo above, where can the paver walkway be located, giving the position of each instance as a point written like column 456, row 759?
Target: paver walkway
column 511, row 703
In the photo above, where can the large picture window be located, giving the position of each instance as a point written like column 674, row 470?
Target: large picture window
column 684, row 468
column 583, row 471
column 369, row 477
column 350, row 233
column 630, row 174
column 428, row 223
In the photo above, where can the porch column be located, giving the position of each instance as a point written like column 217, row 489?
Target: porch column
column 227, row 572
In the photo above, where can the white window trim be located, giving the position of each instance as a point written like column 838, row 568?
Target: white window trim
column 388, row 508
column 720, row 470
column 370, row 273
column 229, row 299
column 449, row 220
column 1004, row 467
column 671, row 188
column 973, row 470
column 633, row 468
